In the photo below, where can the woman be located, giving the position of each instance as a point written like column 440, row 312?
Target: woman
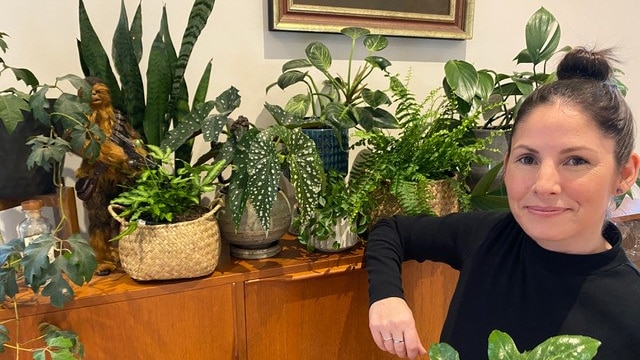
column 552, row 265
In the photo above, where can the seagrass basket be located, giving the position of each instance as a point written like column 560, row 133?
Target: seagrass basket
column 439, row 194
column 170, row 251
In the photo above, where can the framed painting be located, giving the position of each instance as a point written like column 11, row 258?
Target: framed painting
column 447, row 19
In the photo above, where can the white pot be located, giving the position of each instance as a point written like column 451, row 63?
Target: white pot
column 343, row 240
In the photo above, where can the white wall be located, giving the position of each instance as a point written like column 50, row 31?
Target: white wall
column 246, row 55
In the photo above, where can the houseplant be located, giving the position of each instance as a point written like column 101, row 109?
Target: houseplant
column 166, row 232
column 167, row 98
column 502, row 346
column 25, row 270
column 332, row 100
column 24, row 115
column 256, row 157
column 422, row 166
column 339, row 217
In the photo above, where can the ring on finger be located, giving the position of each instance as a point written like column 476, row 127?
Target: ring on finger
column 398, row 341
column 387, row 339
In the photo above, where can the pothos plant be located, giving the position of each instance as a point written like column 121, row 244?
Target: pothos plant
column 502, row 347
column 29, row 269
column 256, row 157
column 331, row 99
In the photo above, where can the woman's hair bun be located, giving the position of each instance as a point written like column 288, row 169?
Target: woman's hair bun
column 581, row 63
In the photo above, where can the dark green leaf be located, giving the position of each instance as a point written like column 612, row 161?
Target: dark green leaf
column 375, row 43
column 290, row 77
column 159, row 77
column 295, row 64
column 542, row 34
column 378, row 62
column 11, row 108
column 462, row 77
column 203, row 86
column 136, row 32
column 502, row 347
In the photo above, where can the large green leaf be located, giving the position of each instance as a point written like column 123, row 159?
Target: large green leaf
column 462, row 77
column 443, row 351
column 566, row 347
column 306, row 172
column 159, row 77
column 375, row 43
column 355, row 32
column 11, row 108
column 542, row 35
column 126, row 64
column 319, row 56
column 502, row 347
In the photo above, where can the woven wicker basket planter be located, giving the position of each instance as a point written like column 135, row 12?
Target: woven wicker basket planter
column 170, row 251
column 440, row 195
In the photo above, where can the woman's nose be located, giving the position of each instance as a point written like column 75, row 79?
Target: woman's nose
column 547, row 180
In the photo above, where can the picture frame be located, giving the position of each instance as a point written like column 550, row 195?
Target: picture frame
column 444, row 19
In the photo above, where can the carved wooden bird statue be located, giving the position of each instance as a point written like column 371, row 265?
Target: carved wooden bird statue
column 98, row 182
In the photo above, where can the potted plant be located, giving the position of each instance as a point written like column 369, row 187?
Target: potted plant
column 419, row 170
column 25, row 115
column 256, row 158
column 334, row 101
column 339, row 217
column 167, row 233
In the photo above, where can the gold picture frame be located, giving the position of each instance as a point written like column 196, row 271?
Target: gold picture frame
column 445, row 19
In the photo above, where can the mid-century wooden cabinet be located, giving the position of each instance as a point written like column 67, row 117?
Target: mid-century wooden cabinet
column 294, row 306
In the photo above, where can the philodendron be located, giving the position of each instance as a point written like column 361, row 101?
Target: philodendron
column 502, row 347
column 332, row 99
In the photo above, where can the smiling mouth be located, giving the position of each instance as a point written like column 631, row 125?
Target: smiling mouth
column 545, row 210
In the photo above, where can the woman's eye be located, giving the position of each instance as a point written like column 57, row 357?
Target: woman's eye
column 575, row 161
column 526, row 160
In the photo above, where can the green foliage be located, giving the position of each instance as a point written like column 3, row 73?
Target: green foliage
column 502, row 347
column 159, row 195
column 167, row 98
column 335, row 101
column 499, row 95
column 432, row 145
column 74, row 260
column 337, row 200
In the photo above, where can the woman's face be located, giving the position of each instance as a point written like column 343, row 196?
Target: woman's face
column 560, row 176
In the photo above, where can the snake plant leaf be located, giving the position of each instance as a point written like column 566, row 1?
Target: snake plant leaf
column 159, row 75
column 295, row 64
column 375, row 43
column 136, row 33
column 378, row 62
column 566, row 347
column 94, row 58
column 542, row 35
column 200, row 95
column 200, row 12
column 319, row 56
column 355, row 32
column 462, row 77
column 126, row 64
column 443, row 351
column 502, row 347
column 11, row 108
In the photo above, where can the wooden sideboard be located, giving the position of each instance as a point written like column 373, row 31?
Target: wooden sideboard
column 297, row 305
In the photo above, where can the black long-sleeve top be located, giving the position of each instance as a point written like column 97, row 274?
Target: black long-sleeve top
column 509, row 283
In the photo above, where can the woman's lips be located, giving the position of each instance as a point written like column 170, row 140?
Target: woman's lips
column 545, row 210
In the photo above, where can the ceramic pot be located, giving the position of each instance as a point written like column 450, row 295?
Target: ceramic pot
column 343, row 240
column 333, row 154
column 250, row 241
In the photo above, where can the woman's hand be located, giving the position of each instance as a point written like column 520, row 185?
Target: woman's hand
column 394, row 329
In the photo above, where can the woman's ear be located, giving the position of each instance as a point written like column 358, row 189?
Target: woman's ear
column 629, row 173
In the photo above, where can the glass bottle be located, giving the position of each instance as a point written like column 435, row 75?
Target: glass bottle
column 34, row 223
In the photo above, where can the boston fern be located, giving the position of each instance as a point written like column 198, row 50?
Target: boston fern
column 432, row 145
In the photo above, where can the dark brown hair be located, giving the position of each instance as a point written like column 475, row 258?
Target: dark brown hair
column 585, row 81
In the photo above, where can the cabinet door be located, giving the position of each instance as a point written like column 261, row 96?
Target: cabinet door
column 197, row 324
column 324, row 315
